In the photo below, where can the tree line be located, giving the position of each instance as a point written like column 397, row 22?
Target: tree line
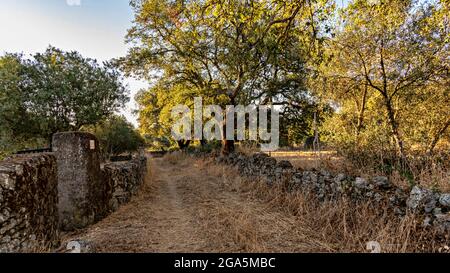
column 375, row 73
column 58, row 91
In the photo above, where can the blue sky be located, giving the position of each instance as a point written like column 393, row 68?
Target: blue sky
column 95, row 28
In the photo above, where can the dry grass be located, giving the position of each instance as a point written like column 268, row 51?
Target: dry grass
column 307, row 160
column 190, row 205
column 340, row 226
column 435, row 176
column 430, row 174
column 175, row 157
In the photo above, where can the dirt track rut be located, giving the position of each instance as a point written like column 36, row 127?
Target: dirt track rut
column 189, row 206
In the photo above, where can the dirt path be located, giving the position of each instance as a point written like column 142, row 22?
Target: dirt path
column 190, row 206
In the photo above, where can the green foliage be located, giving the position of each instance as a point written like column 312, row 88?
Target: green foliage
column 56, row 91
column 116, row 136
column 387, row 70
column 297, row 123
column 208, row 147
column 10, row 144
column 68, row 91
column 52, row 92
column 15, row 118
column 228, row 52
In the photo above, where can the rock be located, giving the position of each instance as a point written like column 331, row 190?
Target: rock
column 426, row 222
column 80, row 246
column 19, row 170
column 285, row 165
column 7, row 182
column 339, row 178
column 444, row 200
column 398, row 198
column 296, row 180
column 378, row 197
column 258, row 158
column 261, row 155
column 381, row 182
column 442, row 222
column 283, row 170
column 430, row 205
column 399, row 212
column 124, row 180
column 269, row 161
column 6, row 239
column 309, row 177
column 415, row 198
column 326, row 175
column 444, row 249
column 2, row 219
column 421, row 199
column 361, row 183
column 437, row 211
column 81, row 189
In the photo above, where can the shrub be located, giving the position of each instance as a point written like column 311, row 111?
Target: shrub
column 116, row 136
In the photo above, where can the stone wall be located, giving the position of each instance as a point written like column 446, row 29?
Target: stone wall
column 124, row 180
column 433, row 207
column 28, row 203
column 83, row 197
column 87, row 192
column 41, row 194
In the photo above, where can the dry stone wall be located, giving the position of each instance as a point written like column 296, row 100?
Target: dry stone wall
column 433, row 207
column 124, row 180
column 67, row 189
column 28, row 203
column 87, row 192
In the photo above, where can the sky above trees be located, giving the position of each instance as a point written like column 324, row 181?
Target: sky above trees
column 95, row 28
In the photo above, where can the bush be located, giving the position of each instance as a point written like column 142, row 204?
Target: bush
column 116, row 136
column 10, row 144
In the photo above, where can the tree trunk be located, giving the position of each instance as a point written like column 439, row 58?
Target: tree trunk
column 183, row 144
column 438, row 136
column 361, row 112
column 228, row 146
column 396, row 133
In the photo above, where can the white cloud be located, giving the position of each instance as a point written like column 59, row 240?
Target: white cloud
column 73, row 2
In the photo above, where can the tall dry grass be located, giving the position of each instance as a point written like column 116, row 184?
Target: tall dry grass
column 332, row 226
column 430, row 171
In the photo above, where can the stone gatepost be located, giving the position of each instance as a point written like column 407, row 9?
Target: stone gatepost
column 82, row 192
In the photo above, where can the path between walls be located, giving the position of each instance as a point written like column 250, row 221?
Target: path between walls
column 183, row 207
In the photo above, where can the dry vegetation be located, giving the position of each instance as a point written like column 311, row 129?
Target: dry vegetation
column 433, row 173
column 326, row 226
column 191, row 205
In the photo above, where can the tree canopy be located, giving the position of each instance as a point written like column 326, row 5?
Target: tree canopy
column 228, row 52
column 56, row 91
column 388, row 69
column 116, row 135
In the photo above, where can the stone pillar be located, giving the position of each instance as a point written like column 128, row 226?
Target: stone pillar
column 81, row 189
